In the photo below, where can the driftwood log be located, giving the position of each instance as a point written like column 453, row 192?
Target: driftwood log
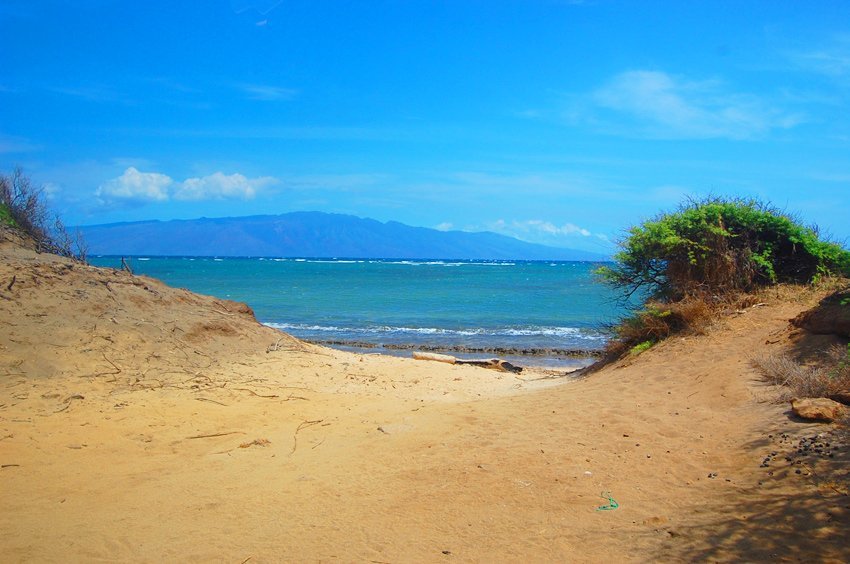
column 492, row 363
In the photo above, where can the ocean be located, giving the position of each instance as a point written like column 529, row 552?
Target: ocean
column 531, row 312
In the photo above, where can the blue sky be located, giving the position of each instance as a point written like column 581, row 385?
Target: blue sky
column 560, row 122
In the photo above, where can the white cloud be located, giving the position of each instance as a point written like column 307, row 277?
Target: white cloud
column 538, row 230
column 136, row 186
column 139, row 187
column 267, row 93
column 543, row 232
column 445, row 226
column 540, row 227
column 219, row 186
column 656, row 104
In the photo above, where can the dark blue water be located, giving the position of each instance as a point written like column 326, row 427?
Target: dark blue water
column 502, row 306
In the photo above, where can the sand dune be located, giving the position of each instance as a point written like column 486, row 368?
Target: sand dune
column 144, row 423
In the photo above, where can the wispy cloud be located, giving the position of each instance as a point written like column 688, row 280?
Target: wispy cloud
column 135, row 187
column 526, row 183
column 319, row 133
column 268, row 93
column 545, row 232
column 92, row 93
column 655, row 104
column 261, row 6
column 535, row 228
column 336, row 181
column 13, row 144
column 831, row 59
column 169, row 84
column 836, row 177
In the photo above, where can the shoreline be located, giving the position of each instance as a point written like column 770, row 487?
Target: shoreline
column 515, row 351
column 527, row 357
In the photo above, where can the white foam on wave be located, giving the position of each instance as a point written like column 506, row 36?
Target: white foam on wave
column 440, row 263
column 572, row 332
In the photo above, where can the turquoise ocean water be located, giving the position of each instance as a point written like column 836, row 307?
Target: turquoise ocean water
column 543, row 312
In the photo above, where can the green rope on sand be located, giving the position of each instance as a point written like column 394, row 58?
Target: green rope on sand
column 612, row 503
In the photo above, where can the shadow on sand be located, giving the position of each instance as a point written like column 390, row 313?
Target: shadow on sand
column 799, row 511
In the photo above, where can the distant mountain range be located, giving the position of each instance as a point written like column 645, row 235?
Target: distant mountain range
column 311, row 234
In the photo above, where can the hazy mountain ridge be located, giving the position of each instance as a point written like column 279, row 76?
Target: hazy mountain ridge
column 311, row 234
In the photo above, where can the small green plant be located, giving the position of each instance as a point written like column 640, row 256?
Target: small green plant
column 6, row 216
column 641, row 347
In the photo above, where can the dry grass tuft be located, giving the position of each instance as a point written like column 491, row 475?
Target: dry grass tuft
column 657, row 321
column 807, row 381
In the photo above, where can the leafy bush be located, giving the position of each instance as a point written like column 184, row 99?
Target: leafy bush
column 720, row 246
column 705, row 257
column 22, row 206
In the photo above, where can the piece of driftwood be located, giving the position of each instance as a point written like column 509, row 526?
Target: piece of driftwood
column 216, row 435
column 303, row 425
column 492, row 363
column 435, row 357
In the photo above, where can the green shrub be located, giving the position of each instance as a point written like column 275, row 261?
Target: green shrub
column 688, row 265
column 721, row 246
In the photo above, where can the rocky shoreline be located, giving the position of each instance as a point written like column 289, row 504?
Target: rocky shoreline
column 503, row 351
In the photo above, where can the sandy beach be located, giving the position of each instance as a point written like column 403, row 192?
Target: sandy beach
column 140, row 422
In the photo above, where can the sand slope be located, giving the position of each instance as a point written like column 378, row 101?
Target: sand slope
column 144, row 423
